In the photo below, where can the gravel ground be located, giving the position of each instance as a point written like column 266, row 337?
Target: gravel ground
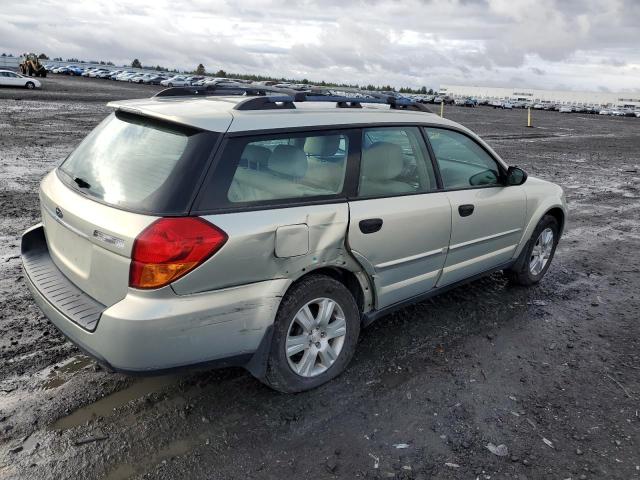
column 548, row 375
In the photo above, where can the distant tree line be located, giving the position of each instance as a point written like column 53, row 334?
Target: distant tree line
column 200, row 70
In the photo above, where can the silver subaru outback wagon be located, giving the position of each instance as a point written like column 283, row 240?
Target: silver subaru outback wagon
column 266, row 230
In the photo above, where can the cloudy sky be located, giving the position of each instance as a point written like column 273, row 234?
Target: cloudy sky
column 566, row 44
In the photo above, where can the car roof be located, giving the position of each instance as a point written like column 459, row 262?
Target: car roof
column 216, row 112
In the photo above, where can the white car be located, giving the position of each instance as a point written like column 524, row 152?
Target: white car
column 124, row 77
column 177, row 81
column 565, row 109
column 13, row 79
column 97, row 72
column 604, row 111
column 86, row 72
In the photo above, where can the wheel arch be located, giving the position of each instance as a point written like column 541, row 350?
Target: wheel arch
column 356, row 282
column 555, row 209
column 559, row 215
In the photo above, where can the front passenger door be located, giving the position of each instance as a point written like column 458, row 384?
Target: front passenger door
column 487, row 217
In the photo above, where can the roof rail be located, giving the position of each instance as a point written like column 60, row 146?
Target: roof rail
column 227, row 89
column 264, row 97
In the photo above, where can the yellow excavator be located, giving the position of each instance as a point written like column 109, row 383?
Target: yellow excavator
column 30, row 65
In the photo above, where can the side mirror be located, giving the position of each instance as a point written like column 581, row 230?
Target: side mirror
column 516, row 176
column 486, row 177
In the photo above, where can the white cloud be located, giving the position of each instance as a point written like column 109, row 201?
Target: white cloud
column 584, row 44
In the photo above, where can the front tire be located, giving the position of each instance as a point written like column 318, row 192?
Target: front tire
column 29, row 85
column 536, row 257
column 314, row 335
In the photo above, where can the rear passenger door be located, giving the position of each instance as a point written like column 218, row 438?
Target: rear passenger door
column 399, row 223
column 487, row 216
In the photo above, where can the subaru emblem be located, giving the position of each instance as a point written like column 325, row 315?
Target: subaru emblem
column 59, row 212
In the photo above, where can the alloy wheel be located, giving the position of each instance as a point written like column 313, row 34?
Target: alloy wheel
column 315, row 337
column 541, row 252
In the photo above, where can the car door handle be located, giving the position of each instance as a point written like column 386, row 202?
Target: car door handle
column 465, row 210
column 370, row 225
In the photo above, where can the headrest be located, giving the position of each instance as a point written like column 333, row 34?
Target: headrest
column 382, row 161
column 288, row 160
column 323, row 146
column 255, row 155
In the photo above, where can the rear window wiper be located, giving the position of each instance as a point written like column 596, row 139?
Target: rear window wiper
column 81, row 183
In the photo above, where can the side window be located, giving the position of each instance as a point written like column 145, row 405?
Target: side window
column 394, row 162
column 287, row 167
column 462, row 162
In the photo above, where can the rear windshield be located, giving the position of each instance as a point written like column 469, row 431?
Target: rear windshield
column 140, row 164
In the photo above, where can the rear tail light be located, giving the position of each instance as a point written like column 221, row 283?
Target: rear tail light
column 171, row 247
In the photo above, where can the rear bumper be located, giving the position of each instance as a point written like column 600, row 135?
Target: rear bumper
column 158, row 330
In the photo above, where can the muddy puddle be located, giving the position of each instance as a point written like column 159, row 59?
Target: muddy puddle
column 58, row 377
column 106, row 407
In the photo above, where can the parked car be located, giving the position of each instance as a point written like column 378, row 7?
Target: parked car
column 446, row 99
column 276, row 258
column 175, row 81
column 470, row 102
column 565, row 109
column 604, row 111
column 506, row 105
column 125, row 76
column 154, row 79
column 13, row 79
column 139, row 77
column 97, row 72
column 73, row 70
column 215, row 81
column 105, row 74
column 114, row 73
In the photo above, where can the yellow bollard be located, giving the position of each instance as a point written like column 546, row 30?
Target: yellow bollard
column 442, row 108
column 529, row 117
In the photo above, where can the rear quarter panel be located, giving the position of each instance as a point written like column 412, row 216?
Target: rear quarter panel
column 250, row 253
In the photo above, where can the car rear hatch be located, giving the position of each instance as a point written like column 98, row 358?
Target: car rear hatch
column 128, row 172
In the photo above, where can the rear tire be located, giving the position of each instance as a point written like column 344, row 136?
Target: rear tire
column 536, row 257
column 302, row 358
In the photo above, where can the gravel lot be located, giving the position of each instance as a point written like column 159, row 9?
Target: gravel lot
column 551, row 372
